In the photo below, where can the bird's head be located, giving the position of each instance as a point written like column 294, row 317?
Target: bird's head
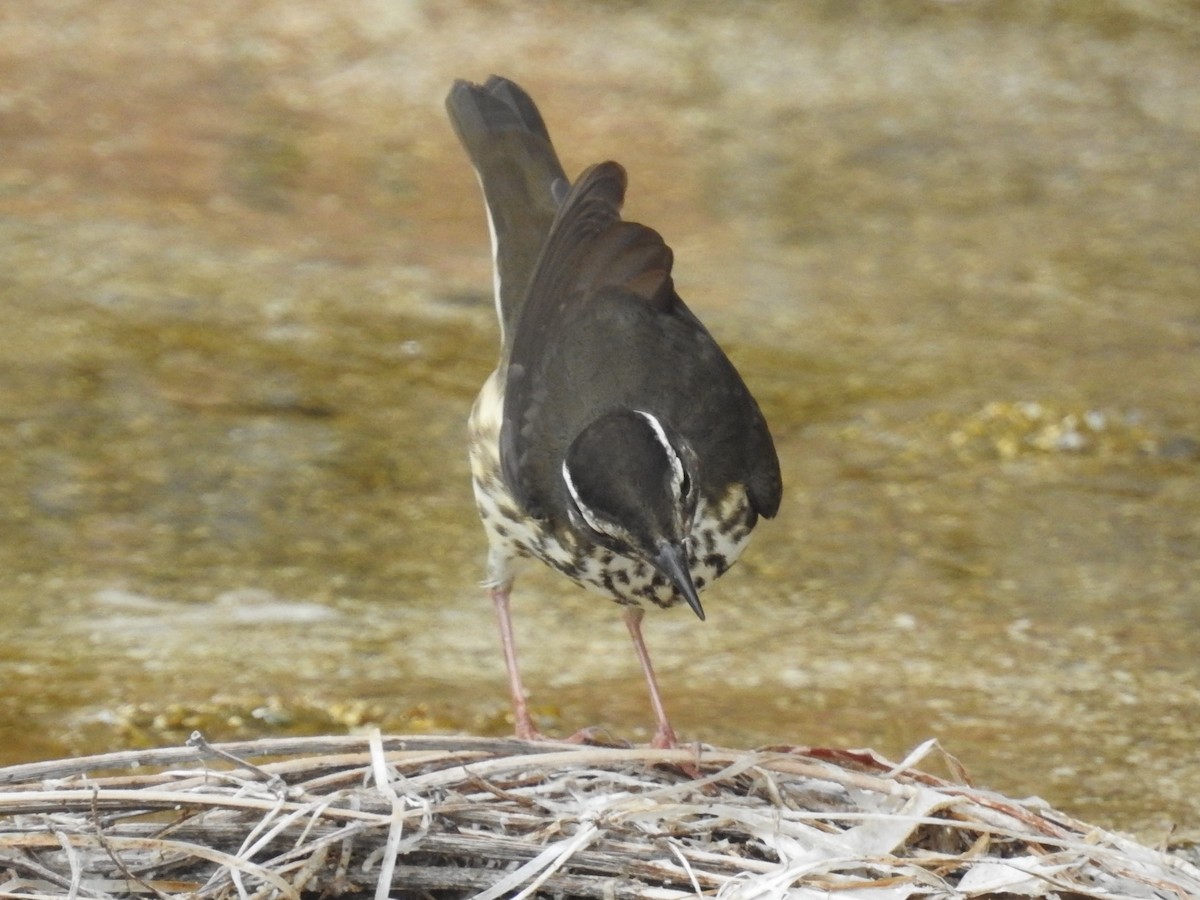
column 631, row 487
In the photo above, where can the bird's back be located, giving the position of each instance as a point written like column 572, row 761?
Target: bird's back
column 602, row 328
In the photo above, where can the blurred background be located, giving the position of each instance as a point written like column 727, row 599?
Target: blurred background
column 954, row 248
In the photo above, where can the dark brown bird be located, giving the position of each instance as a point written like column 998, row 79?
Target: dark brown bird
column 615, row 441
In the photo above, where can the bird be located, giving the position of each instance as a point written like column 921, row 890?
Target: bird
column 614, row 441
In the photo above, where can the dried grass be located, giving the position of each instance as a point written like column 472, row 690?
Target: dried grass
column 434, row 817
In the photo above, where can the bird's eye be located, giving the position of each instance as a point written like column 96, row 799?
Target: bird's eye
column 685, row 484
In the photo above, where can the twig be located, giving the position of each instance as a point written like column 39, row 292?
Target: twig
column 383, row 783
column 117, row 861
column 507, row 818
column 273, row 782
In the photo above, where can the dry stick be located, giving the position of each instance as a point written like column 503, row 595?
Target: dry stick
column 274, row 782
column 80, row 799
column 45, row 874
column 383, row 783
column 343, row 865
column 687, row 866
column 313, row 865
column 73, row 862
column 117, row 861
column 251, row 842
column 545, row 864
column 166, row 847
column 643, row 811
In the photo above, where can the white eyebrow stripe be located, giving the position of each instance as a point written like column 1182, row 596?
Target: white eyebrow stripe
column 592, row 520
column 658, row 430
column 597, row 524
column 661, row 434
column 570, row 484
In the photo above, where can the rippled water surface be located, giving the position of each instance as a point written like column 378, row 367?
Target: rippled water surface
column 953, row 248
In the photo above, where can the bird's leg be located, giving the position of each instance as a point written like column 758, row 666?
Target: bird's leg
column 664, row 734
column 525, row 728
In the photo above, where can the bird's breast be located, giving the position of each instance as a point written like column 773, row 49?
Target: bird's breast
column 719, row 533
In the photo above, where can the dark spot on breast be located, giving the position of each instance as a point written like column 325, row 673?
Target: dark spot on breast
column 716, row 562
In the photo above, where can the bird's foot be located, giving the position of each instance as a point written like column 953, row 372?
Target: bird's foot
column 664, row 738
column 525, row 730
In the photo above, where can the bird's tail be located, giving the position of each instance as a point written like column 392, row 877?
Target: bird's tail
column 523, row 182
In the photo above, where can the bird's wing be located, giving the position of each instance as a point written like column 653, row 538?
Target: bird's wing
column 603, row 328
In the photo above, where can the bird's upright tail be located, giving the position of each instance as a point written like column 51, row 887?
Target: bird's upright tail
column 523, row 182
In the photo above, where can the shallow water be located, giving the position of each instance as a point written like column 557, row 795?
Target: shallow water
column 954, row 253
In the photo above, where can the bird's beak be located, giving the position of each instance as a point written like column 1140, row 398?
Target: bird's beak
column 672, row 562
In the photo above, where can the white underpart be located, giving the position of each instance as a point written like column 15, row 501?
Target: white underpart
column 495, row 255
column 676, row 465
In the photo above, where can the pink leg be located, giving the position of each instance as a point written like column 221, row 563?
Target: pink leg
column 664, row 734
column 525, row 728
